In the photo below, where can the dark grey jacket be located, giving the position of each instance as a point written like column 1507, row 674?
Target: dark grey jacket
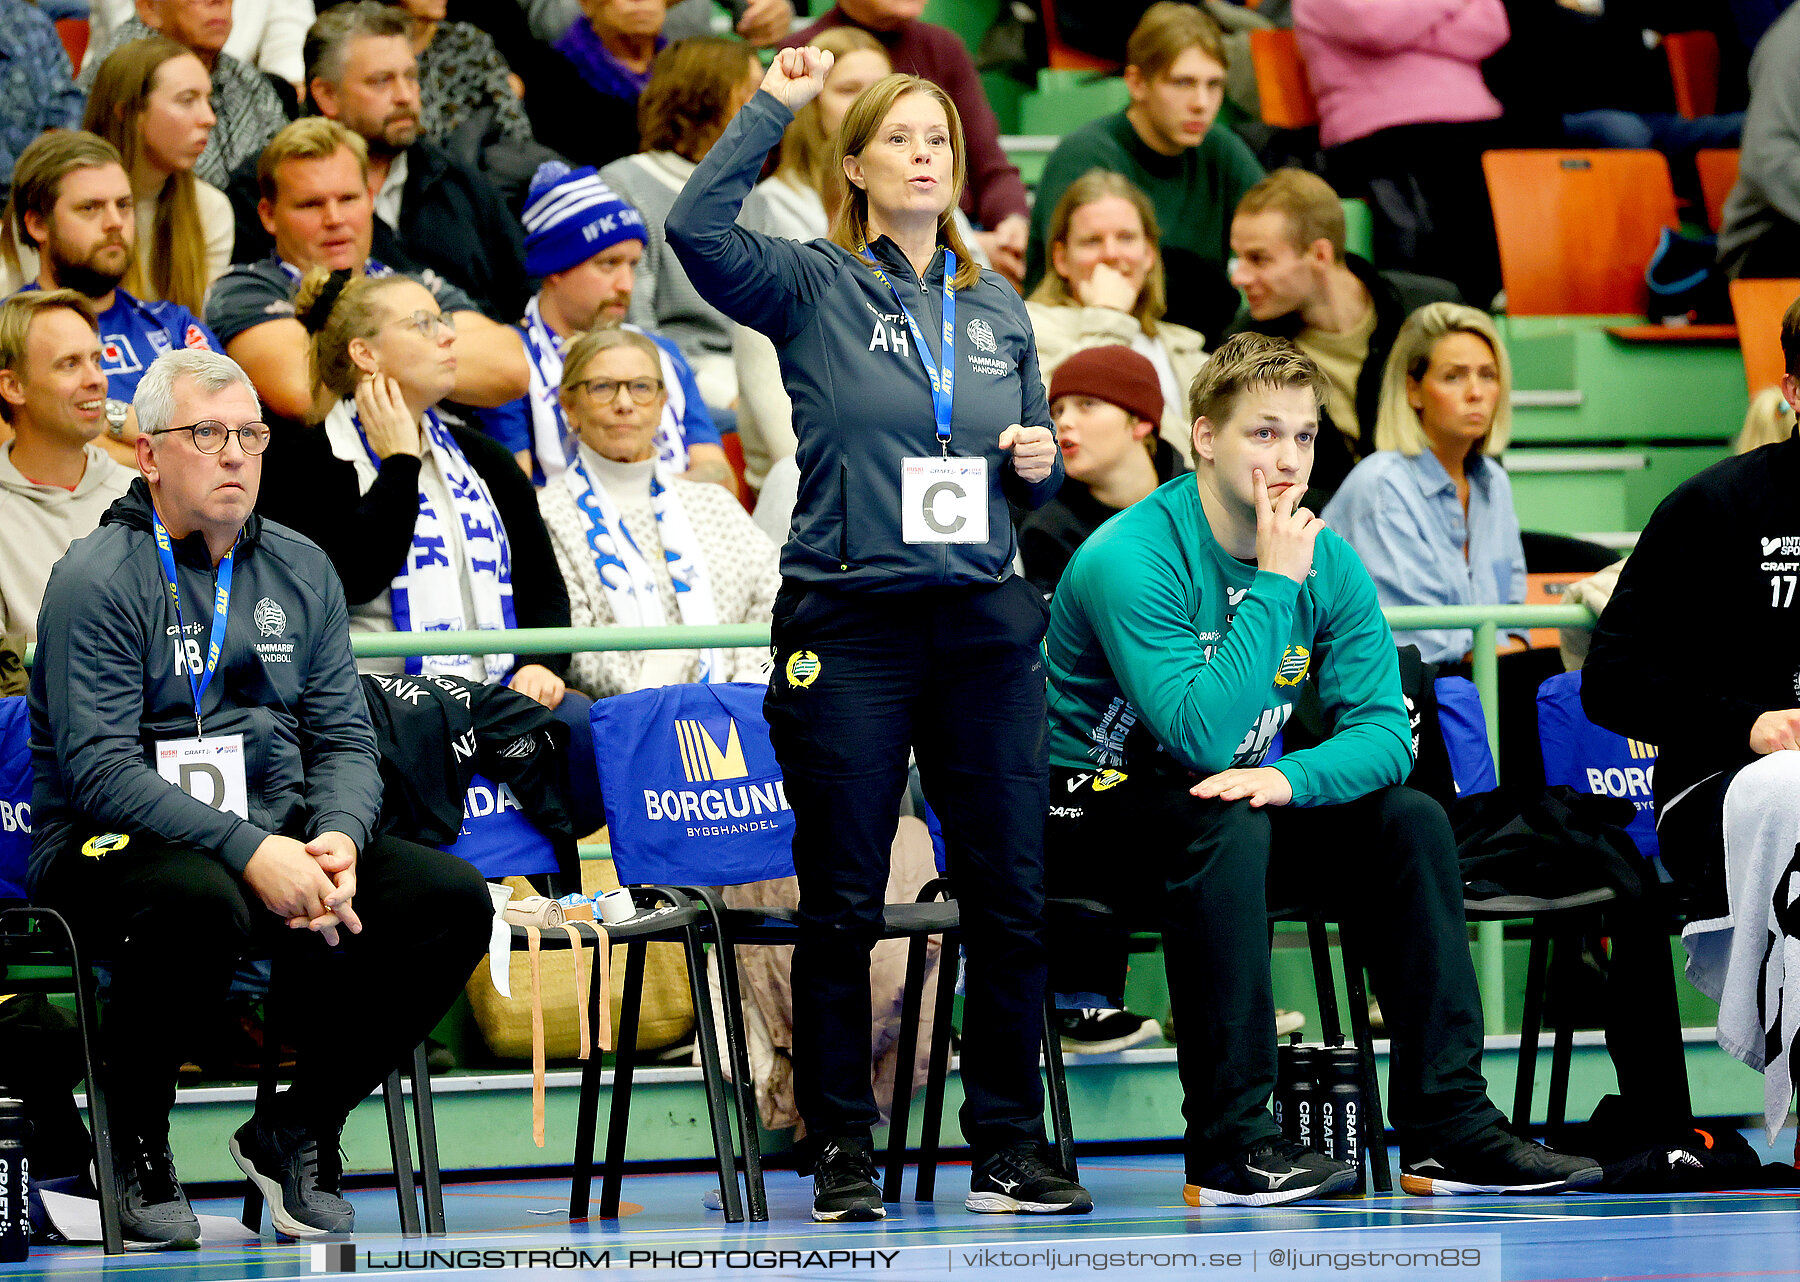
column 104, row 690
column 861, row 399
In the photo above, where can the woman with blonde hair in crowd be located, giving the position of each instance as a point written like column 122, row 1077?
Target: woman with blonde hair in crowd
column 1770, row 419
column 152, row 100
column 798, row 201
column 1431, row 512
column 1106, row 286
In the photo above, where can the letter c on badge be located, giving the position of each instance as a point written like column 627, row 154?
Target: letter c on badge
column 930, row 504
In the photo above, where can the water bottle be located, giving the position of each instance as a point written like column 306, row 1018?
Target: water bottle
column 15, row 1182
column 1297, row 1092
column 1342, row 1131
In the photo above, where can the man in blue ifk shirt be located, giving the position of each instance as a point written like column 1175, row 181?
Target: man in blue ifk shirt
column 74, row 206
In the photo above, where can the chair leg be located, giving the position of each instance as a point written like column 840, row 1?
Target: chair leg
column 266, row 1084
column 931, row 1128
column 1530, row 1025
column 1568, row 956
column 425, row 1124
column 912, row 1000
column 1330, row 1025
column 1374, row 1120
column 737, row 1048
column 1056, row 1085
column 112, row 1233
column 404, row 1188
column 586, row 1113
column 718, row 1110
column 623, row 1067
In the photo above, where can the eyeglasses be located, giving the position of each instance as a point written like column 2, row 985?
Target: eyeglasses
column 641, row 390
column 425, row 324
column 210, row 436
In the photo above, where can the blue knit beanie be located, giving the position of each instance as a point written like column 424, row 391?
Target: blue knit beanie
column 571, row 215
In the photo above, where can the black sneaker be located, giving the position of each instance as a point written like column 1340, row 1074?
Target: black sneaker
column 152, row 1208
column 1267, row 1174
column 299, row 1177
column 1496, row 1161
column 844, row 1184
column 1021, row 1178
column 1092, row 1031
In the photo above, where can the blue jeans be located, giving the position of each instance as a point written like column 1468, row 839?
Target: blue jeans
column 1655, row 131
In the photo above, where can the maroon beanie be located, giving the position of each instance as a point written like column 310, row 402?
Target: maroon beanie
column 1113, row 374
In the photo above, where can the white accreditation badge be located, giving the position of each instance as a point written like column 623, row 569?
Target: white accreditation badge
column 210, row 770
column 944, row 500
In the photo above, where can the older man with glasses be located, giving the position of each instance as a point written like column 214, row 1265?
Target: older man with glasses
column 207, row 787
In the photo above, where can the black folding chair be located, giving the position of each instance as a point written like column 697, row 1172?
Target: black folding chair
column 40, row 941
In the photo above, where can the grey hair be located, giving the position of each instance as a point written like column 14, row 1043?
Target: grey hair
column 211, row 371
column 330, row 35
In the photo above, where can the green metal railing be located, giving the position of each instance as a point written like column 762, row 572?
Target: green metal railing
column 1485, row 621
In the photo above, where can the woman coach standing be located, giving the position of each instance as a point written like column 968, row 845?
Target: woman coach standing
column 899, row 625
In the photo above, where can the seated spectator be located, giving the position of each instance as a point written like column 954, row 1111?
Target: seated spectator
column 315, row 205
column 609, row 48
column 54, row 481
column 265, row 34
column 1722, row 551
column 1301, row 283
column 174, row 875
column 1107, row 403
column 993, row 193
column 1430, row 512
column 1178, row 644
column 1106, row 286
column 71, row 201
column 1404, row 117
column 1169, row 143
column 584, row 243
column 638, row 545
column 444, row 215
column 762, row 22
column 151, row 100
column 247, row 108
column 432, row 527
column 35, row 90
column 461, row 76
column 1760, row 231
column 798, row 201
column 695, row 88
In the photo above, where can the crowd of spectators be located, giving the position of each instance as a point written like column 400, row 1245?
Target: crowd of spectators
column 431, row 234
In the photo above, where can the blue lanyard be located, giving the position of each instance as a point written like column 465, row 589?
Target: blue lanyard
column 942, row 378
column 197, row 682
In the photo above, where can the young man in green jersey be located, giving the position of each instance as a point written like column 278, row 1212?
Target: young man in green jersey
column 1182, row 636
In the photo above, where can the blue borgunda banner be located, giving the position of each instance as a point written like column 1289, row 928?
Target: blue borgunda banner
column 693, row 793
column 1581, row 755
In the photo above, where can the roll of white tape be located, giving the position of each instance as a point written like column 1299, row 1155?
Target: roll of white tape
column 616, row 906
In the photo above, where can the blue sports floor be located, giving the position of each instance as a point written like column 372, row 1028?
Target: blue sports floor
column 1140, row 1228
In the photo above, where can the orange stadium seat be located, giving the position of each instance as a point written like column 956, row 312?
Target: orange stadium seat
column 1287, row 99
column 1758, row 305
column 74, row 35
column 1694, row 71
column 1718, row 168
column 1062, row 57
column 1577, row 228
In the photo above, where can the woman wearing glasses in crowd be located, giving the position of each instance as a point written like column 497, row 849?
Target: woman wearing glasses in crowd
column 639, row 546
column 432, row 527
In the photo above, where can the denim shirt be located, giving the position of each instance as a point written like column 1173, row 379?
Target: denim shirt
column 1400, row 513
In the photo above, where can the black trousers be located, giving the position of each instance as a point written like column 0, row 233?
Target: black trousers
column 174, row 922
column 955, row 676
column 1205, row 873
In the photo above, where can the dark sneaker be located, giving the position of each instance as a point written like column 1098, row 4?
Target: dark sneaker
column 1267, row 1174
column 152, row 1208
column 299, row 1177
column 1496, row 1161
column 1021, row 1178
column 1101, row 1031
column 844, row 1184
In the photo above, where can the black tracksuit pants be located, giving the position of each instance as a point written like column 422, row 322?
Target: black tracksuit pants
column 955, row 676
column 1206, row 873
column 173, row 922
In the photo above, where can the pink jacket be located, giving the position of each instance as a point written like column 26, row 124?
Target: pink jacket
column 1378, row 63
